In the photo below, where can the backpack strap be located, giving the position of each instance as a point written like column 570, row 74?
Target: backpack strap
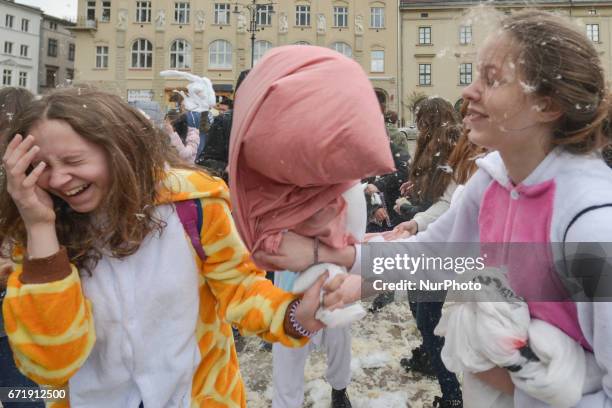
column 190, row 214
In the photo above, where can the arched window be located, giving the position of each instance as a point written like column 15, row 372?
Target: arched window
column 261, row 47
column 142, row 54
column 343, row 48
column 220, row 55
column 180, row 54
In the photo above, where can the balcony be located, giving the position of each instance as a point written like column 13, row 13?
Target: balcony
column 85, row 24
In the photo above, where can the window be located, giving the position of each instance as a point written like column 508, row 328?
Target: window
column 142, row 54
column 340, row 16
column 592, row 31
column 8, row 47
column 343, row 48
column 302, row 43
column 261, row 47
column 7, row 75
column 180, row 55
column 377, row 63
column 302, row 16
column 222, row 13
column 424, row 35
column 143, row 11
column 51, row 77
column 52, row 48
column 106, row 11
column 465, row 74
column 465, row 34
column 8, row 21
column 220, row 55
column 91, row 10
column 23, row 79
column 424, row 74
column 181, row 13
column 377, row 17
column 24, row 51
column 69, row 74
column 592, row 12
column 101, row 56
column 264, row 14
column 53, row 25
column 71, row 50
column 25, row 25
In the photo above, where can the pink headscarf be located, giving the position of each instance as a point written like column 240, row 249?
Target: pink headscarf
column 306, row 127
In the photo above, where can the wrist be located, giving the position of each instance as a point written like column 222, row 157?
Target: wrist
column 339, row 256
column 292, row 324
column 41, row 240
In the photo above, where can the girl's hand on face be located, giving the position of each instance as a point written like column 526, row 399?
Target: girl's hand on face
column 34, row 204
column 295, row 253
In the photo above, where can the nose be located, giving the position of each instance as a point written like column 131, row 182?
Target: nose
column 58, row 178
column 472, row 92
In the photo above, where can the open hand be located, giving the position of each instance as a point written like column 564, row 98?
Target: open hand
column 404, row 230
column 34, row 204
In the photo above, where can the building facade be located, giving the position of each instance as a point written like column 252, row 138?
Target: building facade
column 57, row 53
column 439, row 40
column 124, row 44
column 19, row 44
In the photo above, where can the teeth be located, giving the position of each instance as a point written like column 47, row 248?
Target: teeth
column 77, row 190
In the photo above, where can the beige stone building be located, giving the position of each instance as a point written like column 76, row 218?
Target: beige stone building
column 124, row 44
column 439, row 40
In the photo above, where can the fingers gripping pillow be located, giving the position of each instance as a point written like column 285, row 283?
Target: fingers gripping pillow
column 331, row 318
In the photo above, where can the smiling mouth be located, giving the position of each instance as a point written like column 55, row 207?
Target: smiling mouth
column 78, row 190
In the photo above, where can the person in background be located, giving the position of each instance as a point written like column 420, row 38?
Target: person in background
column 215, row 156
column 12, row 101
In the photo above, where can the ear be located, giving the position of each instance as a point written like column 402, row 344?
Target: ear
column 547, row 110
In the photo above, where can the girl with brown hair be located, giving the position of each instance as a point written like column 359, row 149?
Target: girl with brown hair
column 129, row 269
column 542, row 106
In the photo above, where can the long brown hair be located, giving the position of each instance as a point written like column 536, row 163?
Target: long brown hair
column 137, row 160
column 12, row 101
column 558, row 61
column 438, row 130
column 463, row 158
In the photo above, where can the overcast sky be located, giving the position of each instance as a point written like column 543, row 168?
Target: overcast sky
column 57, row 8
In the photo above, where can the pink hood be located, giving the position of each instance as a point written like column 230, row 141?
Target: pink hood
column 306, row 127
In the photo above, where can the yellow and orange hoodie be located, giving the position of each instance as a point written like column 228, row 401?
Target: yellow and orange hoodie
column 51, row 326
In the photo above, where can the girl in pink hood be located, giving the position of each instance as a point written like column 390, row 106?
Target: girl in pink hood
column 307, row 128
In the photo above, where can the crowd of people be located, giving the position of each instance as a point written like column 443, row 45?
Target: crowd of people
column 129, row 267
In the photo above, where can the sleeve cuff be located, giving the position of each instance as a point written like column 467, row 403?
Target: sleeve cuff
column 43, row 270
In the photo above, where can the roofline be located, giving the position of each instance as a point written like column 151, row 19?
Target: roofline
column 499, row 3
column 23, row 6
column 59, row 20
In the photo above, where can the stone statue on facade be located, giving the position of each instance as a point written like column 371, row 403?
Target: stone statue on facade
column 242, row 23
column 321, row 23
column 283, row 24
column 359, row 24
column 200, row 20
column 160, row 19
column 122, row 17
